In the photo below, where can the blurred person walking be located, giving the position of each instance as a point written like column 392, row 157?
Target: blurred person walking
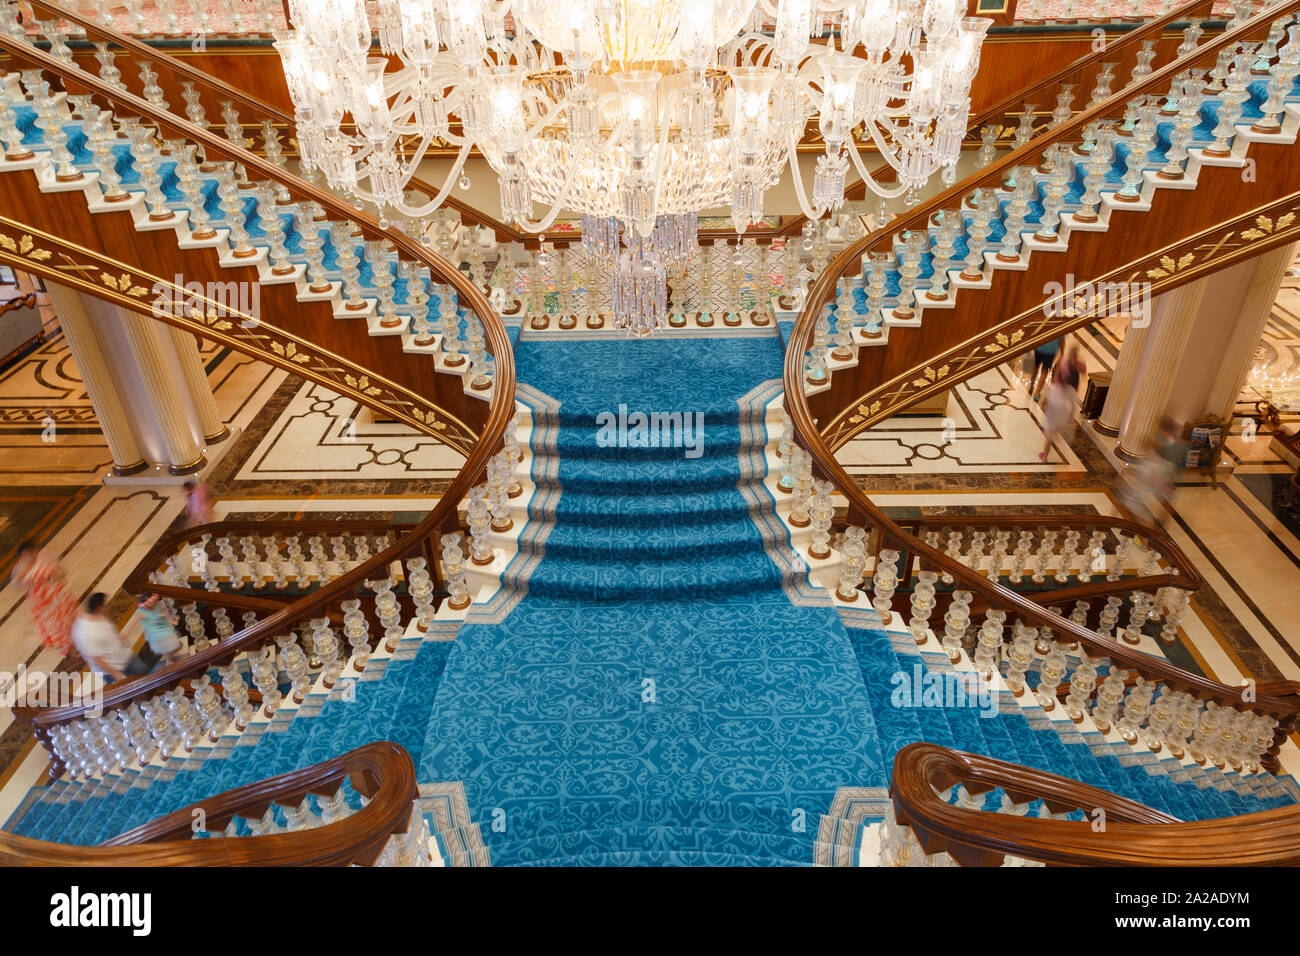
column 45, row 585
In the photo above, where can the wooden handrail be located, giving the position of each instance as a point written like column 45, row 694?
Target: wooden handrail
column 1134, row 835
column 862, row 509
column 1132, row 38
column 502, row 407
column 225, row 90
column 381, row 771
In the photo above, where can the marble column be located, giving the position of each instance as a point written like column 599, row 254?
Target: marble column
column 101, row 384
column 144, row 336
column 196, row 377
column 1121, row 380
column 1256, row 307
column 1175, row 314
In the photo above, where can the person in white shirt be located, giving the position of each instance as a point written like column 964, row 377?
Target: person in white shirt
column 101, row 646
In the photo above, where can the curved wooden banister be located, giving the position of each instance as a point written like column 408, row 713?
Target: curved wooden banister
column 1131, row 39
column 221, row 88
column 501, row 411
column 1134, row 835
column 381, row 771
column 862, row 509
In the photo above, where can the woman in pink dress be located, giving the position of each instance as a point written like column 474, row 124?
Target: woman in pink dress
column 53, row 608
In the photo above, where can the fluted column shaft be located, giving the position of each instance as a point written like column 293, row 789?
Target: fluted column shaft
column 196, row 377
column 101, row 385
column 1256, row 307
column 144, row 336
column 1175, row 315
column 1121, row 380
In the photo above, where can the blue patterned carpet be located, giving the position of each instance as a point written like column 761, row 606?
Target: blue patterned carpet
column 691, row 711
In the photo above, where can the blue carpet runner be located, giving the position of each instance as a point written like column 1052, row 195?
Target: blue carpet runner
column 655, row 690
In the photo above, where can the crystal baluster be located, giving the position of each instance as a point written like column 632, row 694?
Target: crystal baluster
column 1017, row 212
column 232, row 206
column 149, row 83
column 1281, row 84
column 1054, row 190
column 349, row 263
column 817, row 368
column 450, row 320
column 268, row 215
column 852, row 563
column 1082, row 684
column 875, row 287
column 956, row 621
column 977, row 234
column 453, row 568
column 988, row 643
column 909, row 272
column 108, row 71
column 381, row 257
column 988, row 146
column 942, row 257
column 50, row 124
column 922, row 605
column 147, row 162
column 1136, row 707
column 313, row 247
column 1140, row 145
column 884, row 581
column 1102, row 87
column 845, row 319
column 1020, row 656
column 1105, row 710
column 1097, row 166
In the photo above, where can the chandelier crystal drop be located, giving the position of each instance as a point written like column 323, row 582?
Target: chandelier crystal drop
column 640, row 290
column 629, row 109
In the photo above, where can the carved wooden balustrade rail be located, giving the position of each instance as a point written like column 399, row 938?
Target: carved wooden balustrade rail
column 382, row 772
column 814, row 420
column 500, row 407
column 1134, row 835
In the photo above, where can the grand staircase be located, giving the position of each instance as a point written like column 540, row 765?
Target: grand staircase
column 657, row 664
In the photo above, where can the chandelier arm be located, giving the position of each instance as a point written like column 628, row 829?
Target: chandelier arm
column 674, row 99
column 797, row 176
column 877, row 188
column 418, row 212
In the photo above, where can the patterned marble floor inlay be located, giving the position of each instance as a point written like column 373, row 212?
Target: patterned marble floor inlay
column 321, row 435
column 991, row 426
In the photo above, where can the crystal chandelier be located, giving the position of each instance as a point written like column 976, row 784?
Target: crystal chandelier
column 635, row 114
